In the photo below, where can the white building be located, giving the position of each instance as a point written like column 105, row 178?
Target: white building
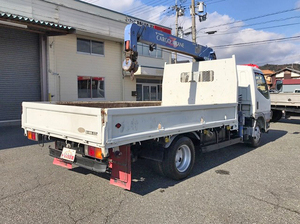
column 68, row 50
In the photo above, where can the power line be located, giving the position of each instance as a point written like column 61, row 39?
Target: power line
column 260, row 28
column 252, row 18
column 270, row 21
column 145, row 7
column 267, row 62
column 210, row 3
column 257, row 42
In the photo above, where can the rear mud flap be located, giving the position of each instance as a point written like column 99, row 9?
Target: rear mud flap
column 121, row 167
column 60, row 162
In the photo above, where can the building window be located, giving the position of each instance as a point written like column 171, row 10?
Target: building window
column 90, row 46
column 91, row 87
column 143, row 50
column 148, row 90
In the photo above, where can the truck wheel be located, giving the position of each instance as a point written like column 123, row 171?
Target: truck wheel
column 254, row 141
column 179, row 159
column 277, row 114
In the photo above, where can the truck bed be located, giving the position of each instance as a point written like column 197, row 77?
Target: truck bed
column 285, row 99
column 112, row 104
column 112, row 124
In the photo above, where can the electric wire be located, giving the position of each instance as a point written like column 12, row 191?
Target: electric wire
column 256, row 42
column 144, row 7
column 253, row 30
column 287, row 57
column 270, row 21
column 252, row 18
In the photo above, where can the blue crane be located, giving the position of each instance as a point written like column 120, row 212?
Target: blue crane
column 153, row 37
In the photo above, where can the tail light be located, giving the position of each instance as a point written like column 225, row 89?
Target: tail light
column 93, row 152
column 33, row 136
column 127, row 45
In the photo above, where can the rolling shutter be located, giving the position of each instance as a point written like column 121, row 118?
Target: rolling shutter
column 19, row 71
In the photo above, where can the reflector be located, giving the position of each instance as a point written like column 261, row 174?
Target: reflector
column 91, row 151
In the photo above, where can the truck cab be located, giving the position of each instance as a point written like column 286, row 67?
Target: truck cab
column 254, row 99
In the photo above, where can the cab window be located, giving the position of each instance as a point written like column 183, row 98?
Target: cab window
column 261, row 85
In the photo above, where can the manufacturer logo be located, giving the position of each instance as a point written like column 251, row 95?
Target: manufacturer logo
column 171, row 41
column 91, row 132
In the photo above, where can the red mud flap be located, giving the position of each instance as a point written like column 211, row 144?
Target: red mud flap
column 121, row 167
column 60, row 162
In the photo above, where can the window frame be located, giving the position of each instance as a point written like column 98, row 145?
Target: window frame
column 90, row 89
column 145, row 47
column 90, row 47
column 265, row 93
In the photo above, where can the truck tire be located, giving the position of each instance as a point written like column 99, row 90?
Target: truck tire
column 179, row 159
column 277, row 114
column 255, row 141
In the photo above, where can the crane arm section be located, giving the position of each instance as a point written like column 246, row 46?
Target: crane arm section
column 153, row 37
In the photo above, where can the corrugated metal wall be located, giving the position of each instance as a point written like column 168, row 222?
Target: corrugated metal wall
column 19, row 71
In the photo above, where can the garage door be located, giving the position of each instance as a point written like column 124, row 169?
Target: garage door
column 19, row 71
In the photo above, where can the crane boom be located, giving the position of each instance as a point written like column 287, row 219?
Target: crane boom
column 144, row 34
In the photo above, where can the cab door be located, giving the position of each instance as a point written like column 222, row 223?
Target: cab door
column 263, row 104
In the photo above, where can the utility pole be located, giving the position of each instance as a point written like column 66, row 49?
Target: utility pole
column 193, row 21
column 176, row 29
column 179, row 12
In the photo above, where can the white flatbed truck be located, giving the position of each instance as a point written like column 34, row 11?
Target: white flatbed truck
column 205, row 106
column 284, row 104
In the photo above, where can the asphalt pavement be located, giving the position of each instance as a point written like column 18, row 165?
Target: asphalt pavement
column 236, row 184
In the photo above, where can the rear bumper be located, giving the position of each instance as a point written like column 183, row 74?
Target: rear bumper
column 84, row 162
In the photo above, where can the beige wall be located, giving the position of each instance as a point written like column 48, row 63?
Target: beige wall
column 68, row 64
column 129, row 86
column 65, row 65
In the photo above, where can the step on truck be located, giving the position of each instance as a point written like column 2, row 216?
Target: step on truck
column 206, row 105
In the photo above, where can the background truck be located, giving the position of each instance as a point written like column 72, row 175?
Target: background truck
column 285, row 100
column 285, row 104
column 206, row 105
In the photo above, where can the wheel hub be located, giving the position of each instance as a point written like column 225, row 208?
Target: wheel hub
column 183, row 158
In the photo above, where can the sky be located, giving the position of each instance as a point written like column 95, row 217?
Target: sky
column 255, row 31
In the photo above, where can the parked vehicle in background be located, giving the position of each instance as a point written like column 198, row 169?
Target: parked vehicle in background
column 285, row 102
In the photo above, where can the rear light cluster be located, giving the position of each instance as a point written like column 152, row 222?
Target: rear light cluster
column 33, row 136
column 93, row 152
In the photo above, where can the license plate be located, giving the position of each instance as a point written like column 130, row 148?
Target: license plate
column 68, row 154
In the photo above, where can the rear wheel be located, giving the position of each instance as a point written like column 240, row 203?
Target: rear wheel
column 277, row 114
column 179, row 159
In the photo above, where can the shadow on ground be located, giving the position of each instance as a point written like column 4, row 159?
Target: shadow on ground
column 12, row 137
column 145, row 180
column 291, row 120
